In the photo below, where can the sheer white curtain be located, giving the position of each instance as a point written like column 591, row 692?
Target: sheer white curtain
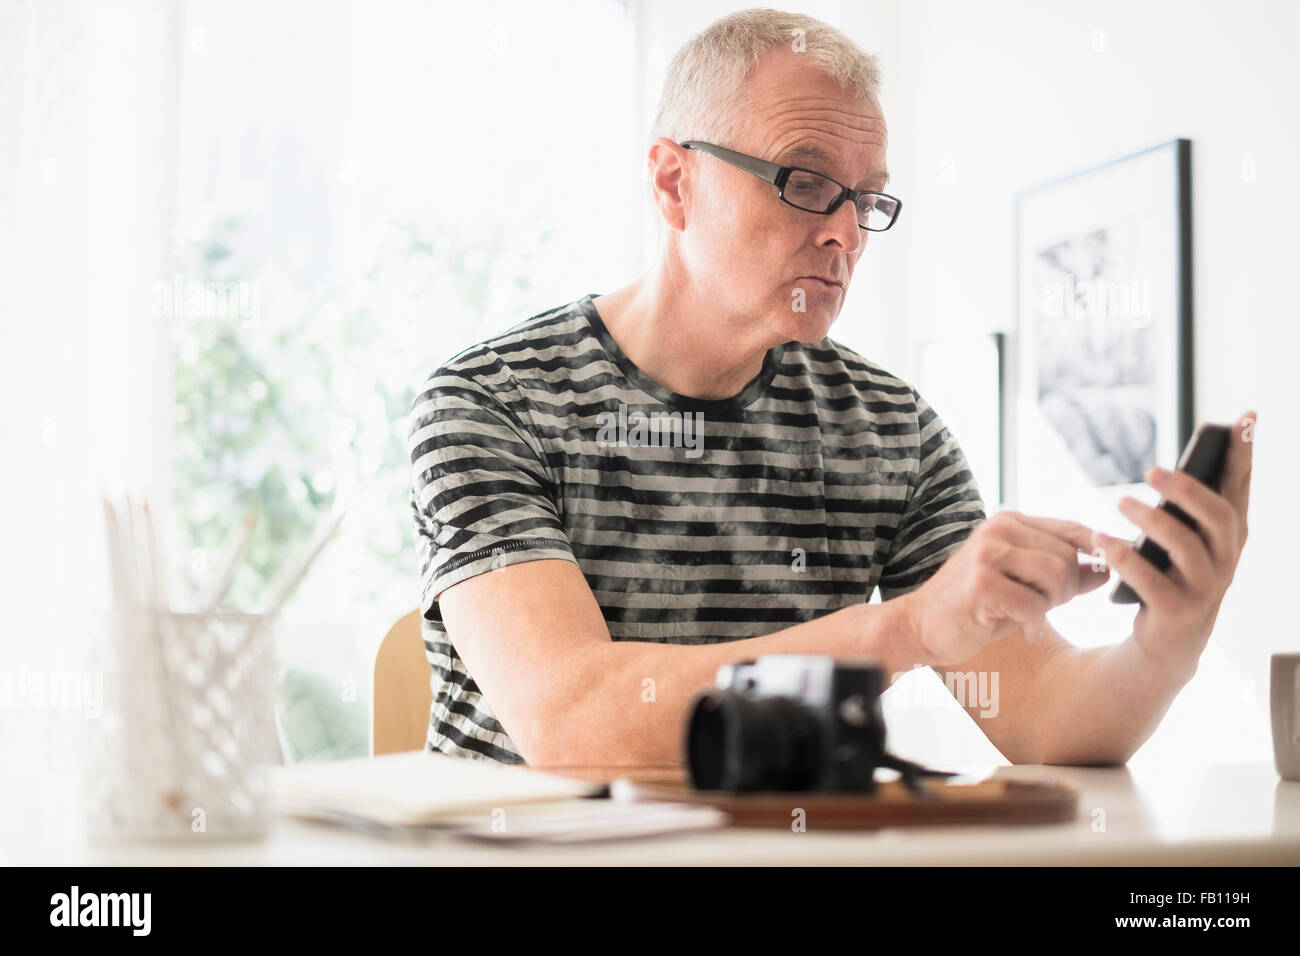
column 121, row 122
column 87, row 120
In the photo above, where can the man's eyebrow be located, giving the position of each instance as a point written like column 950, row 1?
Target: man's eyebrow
column 810, row 153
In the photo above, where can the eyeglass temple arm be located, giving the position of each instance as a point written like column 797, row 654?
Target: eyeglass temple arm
column 759, row 167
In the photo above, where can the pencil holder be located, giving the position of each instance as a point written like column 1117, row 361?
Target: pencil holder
column 188, row 726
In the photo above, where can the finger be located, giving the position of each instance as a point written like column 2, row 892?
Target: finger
column 1216, row 519
column 1045, row 534
column 1187, row 549
column 1017, row 601
column 1050, row 574
column 1092, row 573
column 1236, row 473
column 1077, row 536
column 1152, row 586
column 1029, row 535
column 1069, row 538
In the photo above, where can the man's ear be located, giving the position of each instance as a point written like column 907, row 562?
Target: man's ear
column 665, row 165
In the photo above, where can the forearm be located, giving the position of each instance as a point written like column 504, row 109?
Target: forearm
column 633, row 709
column 1099, row 705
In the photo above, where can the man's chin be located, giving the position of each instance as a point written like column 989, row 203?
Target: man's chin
column 810, row 326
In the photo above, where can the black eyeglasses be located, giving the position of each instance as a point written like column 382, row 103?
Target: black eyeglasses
column 811, row 191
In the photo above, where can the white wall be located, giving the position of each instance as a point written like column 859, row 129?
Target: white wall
column 1007, row 95
column 986, row 99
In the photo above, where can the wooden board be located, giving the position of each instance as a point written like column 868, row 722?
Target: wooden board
column 944, row 802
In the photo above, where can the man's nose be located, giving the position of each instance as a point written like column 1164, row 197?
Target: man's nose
column 844, row 226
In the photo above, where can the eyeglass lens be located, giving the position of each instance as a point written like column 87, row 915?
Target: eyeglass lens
column 816, row 193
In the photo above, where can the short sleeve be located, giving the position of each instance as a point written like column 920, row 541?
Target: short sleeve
column 942, row 509
column 481, row 495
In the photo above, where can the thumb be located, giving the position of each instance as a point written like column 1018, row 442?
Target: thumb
column 1093, row 573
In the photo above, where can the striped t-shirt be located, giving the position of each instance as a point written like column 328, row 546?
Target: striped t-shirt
column 694, row 521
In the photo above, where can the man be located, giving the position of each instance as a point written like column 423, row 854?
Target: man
column 621, row 494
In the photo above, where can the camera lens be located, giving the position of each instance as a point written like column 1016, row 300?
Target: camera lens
column 739, row 743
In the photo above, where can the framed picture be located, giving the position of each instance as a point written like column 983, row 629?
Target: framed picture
column 1102, row 377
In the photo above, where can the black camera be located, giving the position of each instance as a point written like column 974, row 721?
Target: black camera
column 793, row 722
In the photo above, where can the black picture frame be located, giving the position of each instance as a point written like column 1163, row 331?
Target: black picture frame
column 1094, row 411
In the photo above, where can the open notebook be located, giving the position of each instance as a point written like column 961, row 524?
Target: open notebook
column 419, row 792
column 415, row 788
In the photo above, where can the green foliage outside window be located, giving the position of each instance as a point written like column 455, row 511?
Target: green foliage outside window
column 304, row 402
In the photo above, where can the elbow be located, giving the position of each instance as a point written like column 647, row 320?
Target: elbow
column 541, row 731
column 1092, row 757
column 567, row 737
column 563, row 725
column 1050, row 747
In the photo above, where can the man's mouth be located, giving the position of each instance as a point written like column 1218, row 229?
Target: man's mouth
column 822, row 283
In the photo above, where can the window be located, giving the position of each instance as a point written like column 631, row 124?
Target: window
column 363, row 191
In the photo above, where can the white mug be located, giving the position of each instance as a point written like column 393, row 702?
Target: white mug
column 1284, row 702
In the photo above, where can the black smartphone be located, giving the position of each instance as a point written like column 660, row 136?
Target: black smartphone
column 1203, row 459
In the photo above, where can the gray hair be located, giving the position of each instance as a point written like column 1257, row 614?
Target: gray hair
column 704, row 88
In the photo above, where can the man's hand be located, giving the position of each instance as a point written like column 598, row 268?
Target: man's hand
column 1180, row 605
column 1009, row 573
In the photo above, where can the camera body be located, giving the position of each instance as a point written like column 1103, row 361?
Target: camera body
column 790, row 722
